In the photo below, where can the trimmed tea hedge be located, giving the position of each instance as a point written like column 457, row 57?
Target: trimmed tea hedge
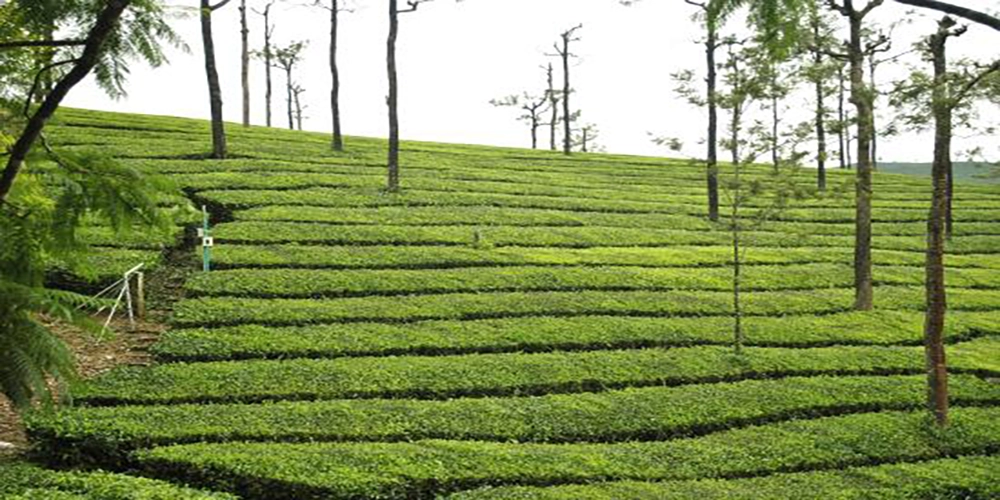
column 437, row 257
column 225, row 311
column 504, row 374
column 107, row 435
column 966, row 477
column 426, row 468
column 318, row 283
column 539, row 334
column 23, row 481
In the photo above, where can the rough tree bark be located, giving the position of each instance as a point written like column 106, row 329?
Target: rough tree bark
column 212, row 74
column 934, row 320
column 338, row 138
column 245, row 62
column 862, row 99
column 106, row 22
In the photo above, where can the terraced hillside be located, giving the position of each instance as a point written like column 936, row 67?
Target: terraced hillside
column 517, row 324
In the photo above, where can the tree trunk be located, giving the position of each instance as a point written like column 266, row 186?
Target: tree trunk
column 735, row 229
column 948, row 197
column 567, row 117
column 555, row 110
column 712, row 162
column 338, row 138
column 842, row 117
column 107, row 20
column 937, row 373
column 874, row 127
column 214, row 90
column 268, row 92
column 863, row 292
column 820, row 116
column 298, row 112
column 534, row 131
column 775, row 121
column 392, row 101
column 245, row 61
column 290, row 97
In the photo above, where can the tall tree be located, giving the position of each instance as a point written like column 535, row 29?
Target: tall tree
column 245, row 62
column 212, row 74
column 861, row 97
column 563, row 52
column 267, row 55
column 711, row 42
column 44, row 209
column 944, row 99
column 819, row 72
column 392, row 184
column 287, row 58
column 533, row 107
column 334, row 8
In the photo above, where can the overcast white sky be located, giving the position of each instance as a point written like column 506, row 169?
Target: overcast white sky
column 455, row 57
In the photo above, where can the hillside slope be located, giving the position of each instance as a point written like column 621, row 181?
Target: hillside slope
column 517, row 324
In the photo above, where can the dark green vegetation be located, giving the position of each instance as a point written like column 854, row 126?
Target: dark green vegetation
column 516, row 324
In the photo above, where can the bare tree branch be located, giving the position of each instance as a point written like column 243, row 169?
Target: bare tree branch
column 963, row 12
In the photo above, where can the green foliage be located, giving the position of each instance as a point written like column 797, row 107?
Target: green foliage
column 966, row 477
column 23, row 481
column 542, row 334
column 426, row 468
column 39, row 222
column 501, row 374
column 648, row 414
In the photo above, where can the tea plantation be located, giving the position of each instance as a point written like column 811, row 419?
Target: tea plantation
column 517, row 324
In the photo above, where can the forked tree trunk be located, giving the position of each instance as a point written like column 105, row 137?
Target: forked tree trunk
column 937, row 372
column 338, row 138
column 245, row 62
column 214, row 90
column 712, row 162
column 107, row 20
column 392, row 184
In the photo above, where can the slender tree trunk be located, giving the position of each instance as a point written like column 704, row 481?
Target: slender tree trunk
column 937, row 373
column 554, row 100
column 874, row 125
column 534, row 131
column 775, row 120
column 338, row 138
column 863, row 291
column 712, row 162
column 567, row 117
column 268, row 91
column 842, row 120
column 107, row 20
column 298, row 111
column 245, row 61
column 393, row 180
column 820, row 117
column 288, row 90
column 214, row 90
column 584, row 138
column 735, row 229
column 948, row 197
